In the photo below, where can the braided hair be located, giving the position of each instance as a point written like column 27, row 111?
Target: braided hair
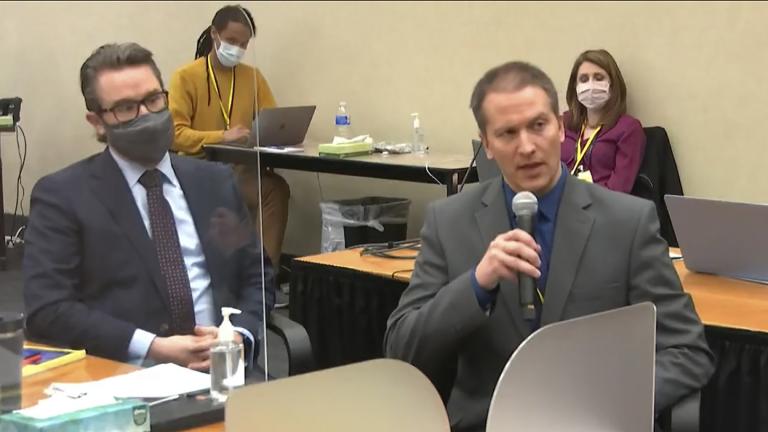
column 225, row 15
column 222, row 18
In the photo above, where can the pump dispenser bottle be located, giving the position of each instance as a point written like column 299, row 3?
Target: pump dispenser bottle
column 227, row 364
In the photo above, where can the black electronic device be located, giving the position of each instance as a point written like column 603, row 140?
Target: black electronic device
column 10, row 107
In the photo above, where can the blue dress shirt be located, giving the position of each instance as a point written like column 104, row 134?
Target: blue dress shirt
column 544, row 234
column 191, row 248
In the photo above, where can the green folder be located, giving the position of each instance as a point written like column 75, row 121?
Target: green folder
column 345, row 150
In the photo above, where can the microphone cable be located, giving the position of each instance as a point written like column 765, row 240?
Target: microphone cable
column 386, row 249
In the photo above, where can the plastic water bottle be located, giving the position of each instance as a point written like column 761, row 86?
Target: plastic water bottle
column 417, row 139
column 342, row 121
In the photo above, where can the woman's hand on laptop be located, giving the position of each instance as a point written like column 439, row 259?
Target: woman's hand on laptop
column 237, row 134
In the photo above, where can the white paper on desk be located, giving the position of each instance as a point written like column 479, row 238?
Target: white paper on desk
column 674, row 255
column 360, row 138
column 159, row 381
column 286, row 149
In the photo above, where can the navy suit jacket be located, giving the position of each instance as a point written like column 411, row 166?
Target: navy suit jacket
column 91, row 273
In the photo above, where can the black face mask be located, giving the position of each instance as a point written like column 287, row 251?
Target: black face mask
column 145, row 139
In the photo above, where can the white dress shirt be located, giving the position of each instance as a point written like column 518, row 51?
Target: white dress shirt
column 191, row 247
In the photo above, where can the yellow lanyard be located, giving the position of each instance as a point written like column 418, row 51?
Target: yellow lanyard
column 580, row 153
column 228, row 112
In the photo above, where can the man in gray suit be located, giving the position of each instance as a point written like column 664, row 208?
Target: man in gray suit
column 592, row 250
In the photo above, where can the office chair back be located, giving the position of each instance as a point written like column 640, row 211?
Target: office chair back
column 658, row 176
column 486, row 168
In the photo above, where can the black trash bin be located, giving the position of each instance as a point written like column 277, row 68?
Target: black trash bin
column 363, row 220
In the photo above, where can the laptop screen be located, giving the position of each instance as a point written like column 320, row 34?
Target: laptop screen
column 721, row 237
column 280, row 127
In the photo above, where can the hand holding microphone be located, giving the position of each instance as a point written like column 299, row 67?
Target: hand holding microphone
column 514, row 255
column 524, row 206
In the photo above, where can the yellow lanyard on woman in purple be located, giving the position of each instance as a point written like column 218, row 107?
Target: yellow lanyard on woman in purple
column 580, row 153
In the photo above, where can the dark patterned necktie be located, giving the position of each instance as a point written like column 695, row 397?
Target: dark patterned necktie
column 168, row 248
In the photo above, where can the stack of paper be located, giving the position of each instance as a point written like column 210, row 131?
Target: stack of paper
column 159, row 381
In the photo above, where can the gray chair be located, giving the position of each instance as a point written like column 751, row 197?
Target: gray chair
column 297, row 343
column 683, row 416
column 486, row 168
column 658, row 176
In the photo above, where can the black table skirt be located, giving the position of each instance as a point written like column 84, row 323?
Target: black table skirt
column 736, row 398
column 345, row 313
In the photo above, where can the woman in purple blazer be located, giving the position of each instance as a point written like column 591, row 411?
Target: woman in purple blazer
column 602, row 143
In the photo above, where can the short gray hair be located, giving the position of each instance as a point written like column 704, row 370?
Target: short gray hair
column 510, row 77
column 110, row 57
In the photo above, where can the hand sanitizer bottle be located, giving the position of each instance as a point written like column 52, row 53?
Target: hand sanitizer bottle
column 418, row 135
column 227, row 364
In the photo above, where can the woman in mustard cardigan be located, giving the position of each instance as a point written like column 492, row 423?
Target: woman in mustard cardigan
column 215, row 99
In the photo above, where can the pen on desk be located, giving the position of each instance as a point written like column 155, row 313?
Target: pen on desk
column 32, row 359
column 198, row 392
column 165, row 399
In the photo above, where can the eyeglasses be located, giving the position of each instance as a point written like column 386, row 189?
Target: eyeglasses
column 128, row 110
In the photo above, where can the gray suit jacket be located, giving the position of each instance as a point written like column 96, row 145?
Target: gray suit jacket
column 607, row 253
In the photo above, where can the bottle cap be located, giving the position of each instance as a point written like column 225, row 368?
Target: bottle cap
column 416, row 121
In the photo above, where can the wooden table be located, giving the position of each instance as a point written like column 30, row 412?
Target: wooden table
column 89, row 369
column 720, row 301
column 726, row 302
column 448, row 168
column 397, row 269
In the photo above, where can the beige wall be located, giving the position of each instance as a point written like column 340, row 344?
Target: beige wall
column 42, row 46
column 695, row 68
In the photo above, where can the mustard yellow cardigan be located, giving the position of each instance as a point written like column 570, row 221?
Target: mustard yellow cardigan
column 194, row 103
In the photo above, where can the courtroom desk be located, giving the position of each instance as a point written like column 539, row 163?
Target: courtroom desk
column 726, row 302
column 344, row 309
column 344, row 300
column 449, row 169
column 735, row 313
column 91, row 368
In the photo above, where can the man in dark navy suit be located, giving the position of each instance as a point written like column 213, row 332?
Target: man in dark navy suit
column 132, row 252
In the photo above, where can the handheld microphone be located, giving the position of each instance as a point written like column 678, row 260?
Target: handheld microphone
column 524, row 206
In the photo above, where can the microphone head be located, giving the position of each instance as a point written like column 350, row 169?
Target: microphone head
column 525, row 204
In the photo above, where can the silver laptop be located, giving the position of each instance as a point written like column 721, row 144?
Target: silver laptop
column 281, row 127
column 486, row 168
column 721, row 237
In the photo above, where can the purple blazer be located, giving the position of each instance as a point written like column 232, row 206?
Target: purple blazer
column 614, row 157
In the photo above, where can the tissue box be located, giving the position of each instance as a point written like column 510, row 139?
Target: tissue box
column 128, row 415
column 345, row 150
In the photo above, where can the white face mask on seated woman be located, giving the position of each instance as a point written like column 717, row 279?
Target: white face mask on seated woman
column 229, row 55
column 593, row 94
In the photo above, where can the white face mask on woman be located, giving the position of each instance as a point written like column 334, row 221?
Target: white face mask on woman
column 593, row 94
column 229, row 55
